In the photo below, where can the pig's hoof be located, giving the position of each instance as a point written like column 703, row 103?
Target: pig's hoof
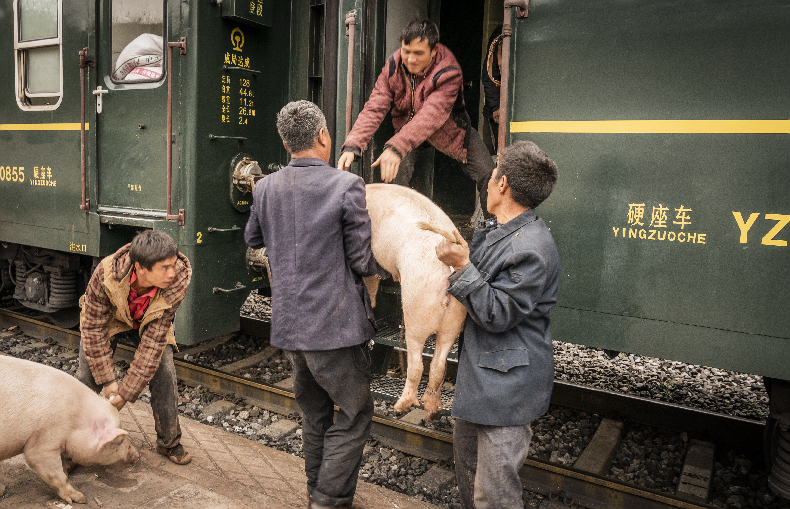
column 404, row 405
column 431, row 403
column 72, row 496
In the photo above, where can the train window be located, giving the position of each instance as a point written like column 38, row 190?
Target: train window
column 38, row 55
column 136, row 40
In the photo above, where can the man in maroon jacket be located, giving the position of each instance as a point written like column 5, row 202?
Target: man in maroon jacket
column 422, row 85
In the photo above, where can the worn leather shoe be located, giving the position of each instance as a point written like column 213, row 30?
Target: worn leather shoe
column 176, row 454
column 311, row 504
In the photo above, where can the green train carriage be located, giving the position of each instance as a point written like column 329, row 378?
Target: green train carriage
column 143, row 76
column 667, row 113
column 669, row 123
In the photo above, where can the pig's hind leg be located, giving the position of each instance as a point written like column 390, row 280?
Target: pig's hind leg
column 451, row 326
column 47, row 463
column 432, row 398
column 413, row 373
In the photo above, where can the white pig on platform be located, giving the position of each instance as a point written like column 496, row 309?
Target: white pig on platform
column 408, row 252
column 48, row 415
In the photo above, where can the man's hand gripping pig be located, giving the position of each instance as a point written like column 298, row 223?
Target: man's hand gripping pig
column 455, row 254
column 112, row 395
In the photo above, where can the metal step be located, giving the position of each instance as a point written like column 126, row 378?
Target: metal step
column 390, row 336
column 390, row 389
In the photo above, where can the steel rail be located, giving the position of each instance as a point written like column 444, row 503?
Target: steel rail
column 552, row 480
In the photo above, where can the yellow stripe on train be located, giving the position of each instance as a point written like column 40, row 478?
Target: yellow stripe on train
column 65, row 126
column 654, row 126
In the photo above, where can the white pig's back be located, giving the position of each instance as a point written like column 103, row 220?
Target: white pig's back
column 35, row 397
column 399, row 245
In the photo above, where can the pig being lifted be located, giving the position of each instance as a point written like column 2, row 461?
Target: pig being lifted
column 408, row 253
column 48, row 415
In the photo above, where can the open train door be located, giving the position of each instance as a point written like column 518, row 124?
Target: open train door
column 131, row 107
column 464, row 26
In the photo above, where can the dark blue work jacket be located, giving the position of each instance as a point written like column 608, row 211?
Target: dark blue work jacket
column 313, row 220
column 506, row 369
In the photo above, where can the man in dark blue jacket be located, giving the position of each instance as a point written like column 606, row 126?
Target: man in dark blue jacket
column 314, row 223
column 508, row 284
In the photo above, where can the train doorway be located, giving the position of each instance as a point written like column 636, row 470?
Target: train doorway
column 131, row 105
column 465, row 27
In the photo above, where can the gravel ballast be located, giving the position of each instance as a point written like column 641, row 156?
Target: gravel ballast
column 648, row 456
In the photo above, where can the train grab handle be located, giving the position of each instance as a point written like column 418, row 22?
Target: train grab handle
column 507, row 31
column 351, row 26
column 182, row 45
column 85, row 203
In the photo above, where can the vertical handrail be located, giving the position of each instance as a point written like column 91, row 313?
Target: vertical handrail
column 507, row 31
column 351, row 25
column 182, row 45
column 84, row 62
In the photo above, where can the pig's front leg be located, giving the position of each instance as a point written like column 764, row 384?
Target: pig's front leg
column 413, row 375
column 48, row 465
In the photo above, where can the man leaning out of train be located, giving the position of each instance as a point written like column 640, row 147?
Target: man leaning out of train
column 314, row 223
column 133, row 296
column 422, row 86
column 507, row 281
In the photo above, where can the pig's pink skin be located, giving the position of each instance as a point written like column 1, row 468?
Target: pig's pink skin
column 46, row 415
column 409, row 254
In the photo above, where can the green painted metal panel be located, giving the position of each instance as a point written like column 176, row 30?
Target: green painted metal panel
column 229, row 91
column 255, row 12
column 690, row 286
column 40, row 150
column 131, row 127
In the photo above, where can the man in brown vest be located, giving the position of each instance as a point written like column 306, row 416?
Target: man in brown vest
column 134, row 294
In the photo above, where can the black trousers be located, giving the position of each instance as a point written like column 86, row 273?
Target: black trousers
column 163, row 387
column 333, row 447
column 478, row 166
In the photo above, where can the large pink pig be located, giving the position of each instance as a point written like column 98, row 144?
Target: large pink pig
column 48, row 415
column 408, row 253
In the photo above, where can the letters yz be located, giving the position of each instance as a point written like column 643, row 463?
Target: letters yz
column 768, row 239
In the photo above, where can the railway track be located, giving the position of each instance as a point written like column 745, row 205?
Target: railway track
column 548, row 479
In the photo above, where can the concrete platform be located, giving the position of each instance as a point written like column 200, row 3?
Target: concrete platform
column 227, row 472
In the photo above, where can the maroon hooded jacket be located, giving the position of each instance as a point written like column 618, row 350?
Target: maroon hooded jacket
column 425, row 106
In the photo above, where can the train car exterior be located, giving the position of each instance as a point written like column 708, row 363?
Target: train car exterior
column 669, row 123
column 175, row 97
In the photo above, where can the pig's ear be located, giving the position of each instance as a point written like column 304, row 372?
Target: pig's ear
column 111, row 436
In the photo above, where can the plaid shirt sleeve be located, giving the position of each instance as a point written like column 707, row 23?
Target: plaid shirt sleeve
column 153, row 342
column 95, row 330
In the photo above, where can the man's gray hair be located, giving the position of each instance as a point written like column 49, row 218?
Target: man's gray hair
column 299, row 123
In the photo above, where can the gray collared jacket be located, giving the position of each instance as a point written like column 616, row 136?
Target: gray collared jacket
column 506, row 369
column 313, row 220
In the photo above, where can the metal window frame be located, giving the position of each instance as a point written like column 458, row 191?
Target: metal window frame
column 20, row 67
column 121, row 84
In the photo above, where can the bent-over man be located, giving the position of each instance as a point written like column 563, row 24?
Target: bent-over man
column 422, row 85
column 133, row 295
column 314, row 223
column 508, row 283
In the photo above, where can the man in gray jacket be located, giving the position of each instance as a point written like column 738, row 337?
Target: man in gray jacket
column 314, row 223
column 508, row 283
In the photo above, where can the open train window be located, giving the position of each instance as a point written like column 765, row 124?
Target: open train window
column 38, row 53
column 137, row 45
